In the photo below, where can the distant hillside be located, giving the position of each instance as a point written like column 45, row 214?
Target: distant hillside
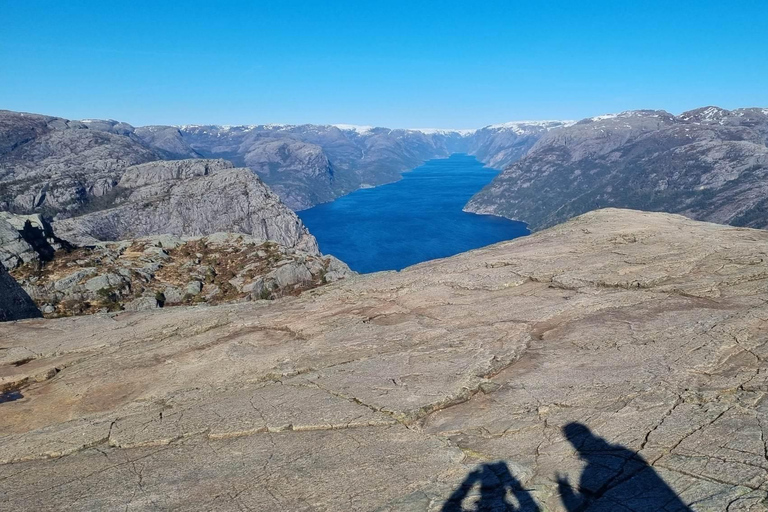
column 708, row 164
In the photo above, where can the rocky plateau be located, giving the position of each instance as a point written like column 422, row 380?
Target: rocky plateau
column 616, row 362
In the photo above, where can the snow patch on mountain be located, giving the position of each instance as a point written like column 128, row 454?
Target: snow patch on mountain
column 444, row 131
column 361, row 129
column 521, row 127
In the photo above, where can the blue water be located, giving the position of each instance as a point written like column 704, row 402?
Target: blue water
column 416, row 219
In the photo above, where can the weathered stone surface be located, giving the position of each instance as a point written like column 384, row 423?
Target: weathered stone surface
column 386, row 391
column 141, row 304
column 26, row 239
column 14, row 250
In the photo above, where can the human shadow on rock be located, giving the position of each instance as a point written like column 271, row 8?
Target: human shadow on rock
column 497, row 486
column 615, row 479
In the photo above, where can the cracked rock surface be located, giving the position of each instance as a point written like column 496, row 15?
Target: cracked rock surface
column 383, row 392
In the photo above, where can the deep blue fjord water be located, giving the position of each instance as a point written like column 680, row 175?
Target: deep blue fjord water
column 416, row 219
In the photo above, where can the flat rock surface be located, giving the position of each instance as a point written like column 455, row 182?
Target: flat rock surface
column 616, row 362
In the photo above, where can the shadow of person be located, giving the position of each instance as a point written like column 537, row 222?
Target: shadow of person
column 614, row 479
column 497, row 485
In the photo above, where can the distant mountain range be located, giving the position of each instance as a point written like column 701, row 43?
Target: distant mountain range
column 708, row 164
column 61, row 165
column 310, row 164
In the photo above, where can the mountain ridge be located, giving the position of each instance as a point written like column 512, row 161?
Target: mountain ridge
column 708, row 163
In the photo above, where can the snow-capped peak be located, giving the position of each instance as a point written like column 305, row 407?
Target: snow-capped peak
column 520, row 127
column 361, row 129
column 444, row 131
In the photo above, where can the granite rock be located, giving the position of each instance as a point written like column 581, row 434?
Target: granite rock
column 620, row 356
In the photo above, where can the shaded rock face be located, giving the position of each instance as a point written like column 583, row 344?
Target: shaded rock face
column 166, row 270
column 708, row 164
column 190, row 198
column 27, row 239
column 615, row 362
column 15, row 303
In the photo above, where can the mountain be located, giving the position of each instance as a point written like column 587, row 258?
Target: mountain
column 49, row 164
column 617, row 361
column 499, row 145
column 63, row 168
column 99, row 181
column 311, row 164
column 708, row 164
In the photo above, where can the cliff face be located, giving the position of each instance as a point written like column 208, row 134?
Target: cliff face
column 15, row 303
column 85, row 175
column 709, row 164
column 55, row 165
column 615, row 362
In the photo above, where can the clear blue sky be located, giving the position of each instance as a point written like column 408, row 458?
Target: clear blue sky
column 417, row 63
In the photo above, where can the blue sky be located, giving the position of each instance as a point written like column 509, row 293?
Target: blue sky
column 460, row 64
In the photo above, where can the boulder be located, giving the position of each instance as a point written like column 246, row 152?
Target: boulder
column 142, row 304
column 194, row 287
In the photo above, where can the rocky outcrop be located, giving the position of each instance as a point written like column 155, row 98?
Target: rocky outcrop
column 27, row 239
column 708, row 164
column 189, row 198
column 165, row 270
column 616, row 362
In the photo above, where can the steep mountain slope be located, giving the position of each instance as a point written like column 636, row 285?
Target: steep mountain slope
column 619, row 361
column 55, row 165
column 499, row 145
column 708, row 164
